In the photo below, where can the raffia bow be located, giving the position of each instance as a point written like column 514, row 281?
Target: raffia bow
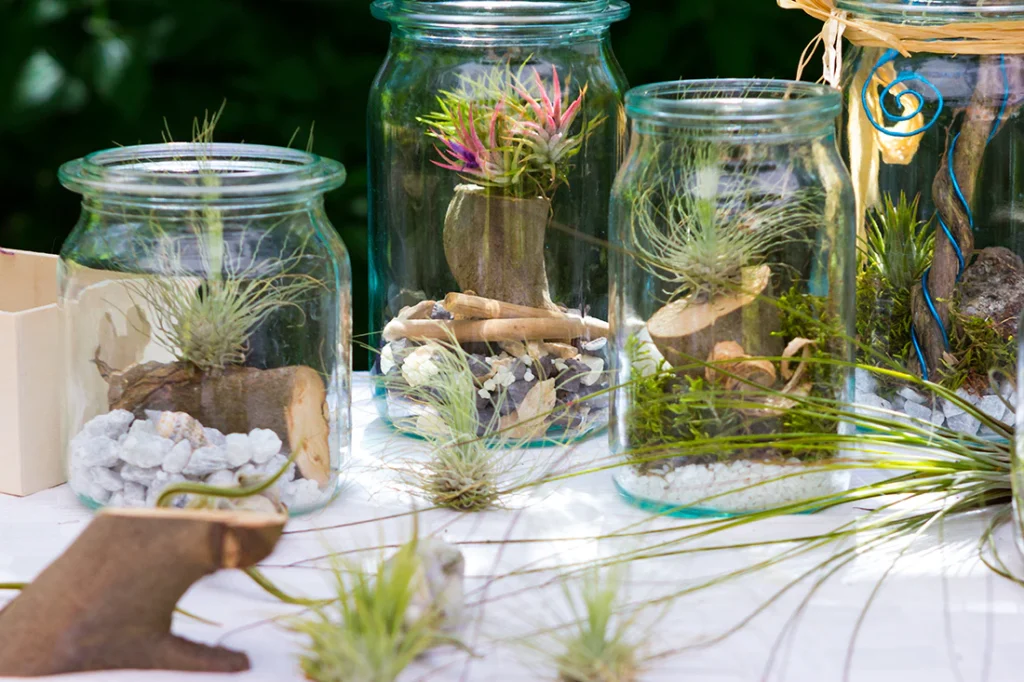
column 963, row 37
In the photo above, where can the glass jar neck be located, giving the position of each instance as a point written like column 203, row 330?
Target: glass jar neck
column 500, row 36
column 739, row 110
column 934, row 12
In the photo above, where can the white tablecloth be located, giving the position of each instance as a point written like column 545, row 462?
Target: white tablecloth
column 940, row 614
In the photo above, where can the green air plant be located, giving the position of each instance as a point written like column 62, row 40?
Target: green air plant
column 511, row 131
column 698, row 225
column 365, row 634
column 895, row 253
column 598, row 646
column 471, row 465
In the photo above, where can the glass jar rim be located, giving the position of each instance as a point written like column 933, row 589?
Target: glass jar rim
column 201, row 170
column 734, row 103
column 933, row 11
column 500, row 14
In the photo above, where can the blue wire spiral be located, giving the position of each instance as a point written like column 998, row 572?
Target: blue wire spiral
column 890, row 56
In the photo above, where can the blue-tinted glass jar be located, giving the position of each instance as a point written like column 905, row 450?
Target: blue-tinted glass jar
column 494, row 133
column 733, row 227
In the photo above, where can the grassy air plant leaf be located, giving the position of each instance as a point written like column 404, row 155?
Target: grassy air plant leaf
column 898, row 246
column 599, row 646
column 699, row 226
column 470, row 467
column 365, row 635
column 510, row 131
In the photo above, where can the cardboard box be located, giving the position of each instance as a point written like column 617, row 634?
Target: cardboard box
column 31, row 404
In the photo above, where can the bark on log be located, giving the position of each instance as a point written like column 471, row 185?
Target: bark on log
column 478, row 307
column 981, row 115
column 107, row 602
column 495, row 331
column 495, row 246
column 686, row 331
column 291, row 401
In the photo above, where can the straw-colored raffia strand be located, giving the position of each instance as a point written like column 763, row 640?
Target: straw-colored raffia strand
column 964, row 37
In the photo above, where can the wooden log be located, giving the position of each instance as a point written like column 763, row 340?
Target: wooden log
column 686, row 331
column 495, row 331
column 107, row 602
column 495, row 246
column 290, row 401
column 480, row 308
column 420, row 311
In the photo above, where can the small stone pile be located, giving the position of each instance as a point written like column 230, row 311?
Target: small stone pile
column 914, row 405
column 505, row 373
column 120, row 461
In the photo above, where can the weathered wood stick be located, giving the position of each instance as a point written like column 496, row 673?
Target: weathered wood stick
column 478, row 307
column 493, row 331
column 107, row 602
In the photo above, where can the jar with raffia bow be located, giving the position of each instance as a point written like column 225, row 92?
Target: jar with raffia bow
column 935, row 141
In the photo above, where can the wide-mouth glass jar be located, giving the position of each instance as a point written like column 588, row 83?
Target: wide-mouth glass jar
column 207, row 309
column 732, row 293
column 933, row 134
column 495, row 130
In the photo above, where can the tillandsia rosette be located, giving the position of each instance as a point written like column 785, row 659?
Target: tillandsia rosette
column 511, row 130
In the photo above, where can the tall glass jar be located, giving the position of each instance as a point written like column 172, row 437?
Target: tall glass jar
column 732, row 279
column 935, row 141
column 207, row 320
column 494, row 133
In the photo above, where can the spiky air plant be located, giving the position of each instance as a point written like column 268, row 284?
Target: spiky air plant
column 898, row 246
column 599, row 645
column 471, row 466
column 366, row 634
column 509, row 132
column 696, row 223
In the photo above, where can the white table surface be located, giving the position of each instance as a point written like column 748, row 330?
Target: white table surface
column 939, row 616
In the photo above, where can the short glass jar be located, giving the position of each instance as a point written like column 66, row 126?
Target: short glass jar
column 495, row 130
column 206, row 305
column 935, row 140
column 732, row 269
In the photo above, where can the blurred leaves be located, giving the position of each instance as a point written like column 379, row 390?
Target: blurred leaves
column 80, row 75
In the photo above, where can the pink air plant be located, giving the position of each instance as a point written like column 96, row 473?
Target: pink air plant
column 467, row 154
column 548, row 136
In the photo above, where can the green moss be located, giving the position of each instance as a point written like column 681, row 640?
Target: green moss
column 978, row 346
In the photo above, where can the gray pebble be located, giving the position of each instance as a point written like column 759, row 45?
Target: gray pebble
column 206, row 460
column 145, row 450
column 94, row 451
column 918, row 411
column 110, row 425
column 992, row 405
column 964, row 423
column 177, row 459
column 865, row 381
column 138, row 474
column 107, row 478
column 134, row 494
column 913, row 396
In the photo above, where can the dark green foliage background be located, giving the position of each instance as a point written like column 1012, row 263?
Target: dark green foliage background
column 80, row 75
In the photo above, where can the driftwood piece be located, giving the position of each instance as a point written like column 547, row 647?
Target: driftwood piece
column 420, row 311
column 495, row 246
column 686, row 331
column 478, row 307
column 291, row 401
column 107, row 602
column 495, row 331
column 978, row 120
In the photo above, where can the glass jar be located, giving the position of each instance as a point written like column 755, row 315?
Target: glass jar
column 207, row 320
column 934, row 142
column 495, row 130
column 732, row 272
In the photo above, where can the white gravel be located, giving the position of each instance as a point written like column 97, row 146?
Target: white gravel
column 694, row 483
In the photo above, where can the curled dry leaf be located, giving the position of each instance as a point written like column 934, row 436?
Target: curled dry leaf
column 730, row 357
column 792, row 348
column 523, row 423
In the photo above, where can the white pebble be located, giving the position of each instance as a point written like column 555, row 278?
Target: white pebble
column 222, row 479
column 938, row 418
column 145, row 449
column 964, row 423
column 116, row 500
column 596, row 345
column 918, row 411
column 111, row 425
column 107, row 478
column 134, row 494
column 913, row 396
column 177, row 459
column 490, row 385
column 992, row 405
column 94, row 451
column 264, row 444
column 865, row 381
column 237, row 450
column 141, row 427
column 83, row 483
column 206, row 460
column 275, row 465
column 138, row 474
column 301, row 494
column 214, row 437
column 162, row 481
column 529, row 376
column 387, row 359
column 484, row 393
